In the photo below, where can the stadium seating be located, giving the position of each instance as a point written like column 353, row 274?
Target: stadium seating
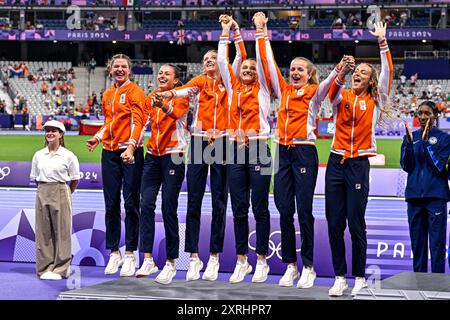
column 32, row 91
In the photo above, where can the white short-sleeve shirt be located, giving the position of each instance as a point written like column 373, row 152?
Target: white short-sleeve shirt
column 59, row 166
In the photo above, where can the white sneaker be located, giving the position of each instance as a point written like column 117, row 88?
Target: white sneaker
column 307, row 279
column 261, row 271
column 115, row 261
column 338, row 288
column 360, row 282
column 48, row 275
column 167, row 274
column 289, row 276
column 129, row 266
column 240, row 271
column 148, row 267
column 212, row 269
column 193, row 273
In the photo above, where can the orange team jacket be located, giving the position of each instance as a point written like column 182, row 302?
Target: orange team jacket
column 209, row 96
column 298, row 108
column 168, row 129
column 249, row 104
column 355, row 117
column 123, row 108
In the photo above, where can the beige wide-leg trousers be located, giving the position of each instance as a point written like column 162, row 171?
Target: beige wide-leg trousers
column 53, row 228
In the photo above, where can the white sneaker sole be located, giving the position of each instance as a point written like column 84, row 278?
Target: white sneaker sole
column 306, row 285
column 114, row 271
column 141, row 274
column 166, row 281
column 287, row 284
column 51, row 277
column 213, row 278
column 128, row 273
column 249, row 270
column 263, row 279
column 355, row 293
column 337, row 294
column 196, row 275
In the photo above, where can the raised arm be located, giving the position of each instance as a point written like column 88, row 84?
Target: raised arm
column 241, row 53
column 225, row 68
column 188, row 90
column 325, row 85
column 334, row 92
column 262, row 66
column 174, row 108
column 387, row 69
column 276, row 78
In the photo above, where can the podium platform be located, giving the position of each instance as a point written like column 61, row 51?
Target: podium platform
column 148, row 289
column 404, row 286
column 410, row 286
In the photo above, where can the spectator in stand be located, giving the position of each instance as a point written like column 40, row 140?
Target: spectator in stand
column 22, row 102
column 437, row 90
column 57, row 90
column 25, row 118
column 403, row 80
column 44, row 88
column 68, row 123
column 94, row 99
column 424, row 95
column 91, row 66
column 387, row 19
column 413, row 79
column 4, row 74
column 64, row 88
column 338, row 24
column 2, row 106
column 71, row 100
column 403, row 18
column 16, row 101
column 71, row 88
column 11, row 119
column 353, row 21
column 430, row 88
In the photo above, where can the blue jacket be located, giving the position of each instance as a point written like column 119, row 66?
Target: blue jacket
column 426, row 165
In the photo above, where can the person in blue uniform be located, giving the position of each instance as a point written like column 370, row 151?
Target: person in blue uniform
column 424, row 156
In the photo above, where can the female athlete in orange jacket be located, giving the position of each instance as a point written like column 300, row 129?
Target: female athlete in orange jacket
column 163, row 169
column 356, row 112
column 297, row 163
column 122, row 160
column 250, row 166
column 207, row 153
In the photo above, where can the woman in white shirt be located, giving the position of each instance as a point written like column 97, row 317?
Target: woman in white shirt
column 56, row 171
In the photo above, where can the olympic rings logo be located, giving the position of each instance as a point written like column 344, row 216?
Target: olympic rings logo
column 273, row 248
column 4, row 172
